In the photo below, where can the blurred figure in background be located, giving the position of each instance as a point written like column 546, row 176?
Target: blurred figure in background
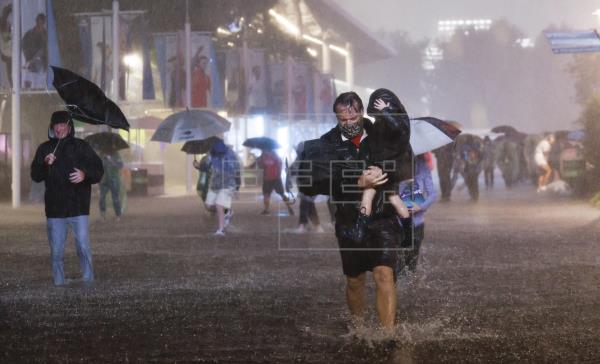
column 418, row 194
column 445, row 157
column 542, row 153
column 271, row 165
column 111, row 181
column 224, row 181
column 489, row 162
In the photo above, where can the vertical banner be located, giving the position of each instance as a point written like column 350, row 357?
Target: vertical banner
column 101, row 40
column 235, row 82
column 171, row 72
column 53, row 49
column 95, row 33
column 5, row 44
column 206, row 85
column 256, row 82
column 324, row 96
column 301, row 90
column 34, row 45
column 278, row 97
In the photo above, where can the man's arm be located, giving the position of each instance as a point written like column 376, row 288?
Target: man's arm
column 39, row 169
column 90, row 164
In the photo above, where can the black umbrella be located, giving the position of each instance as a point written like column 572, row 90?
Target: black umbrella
column 107, row 142
column 504, row 129
column 261, row 143
column 86, row 101
column 199, row 146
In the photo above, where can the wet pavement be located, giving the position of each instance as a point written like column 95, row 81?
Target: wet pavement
column 512, row 278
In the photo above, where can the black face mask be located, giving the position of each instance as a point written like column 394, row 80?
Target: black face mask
column 351, row 130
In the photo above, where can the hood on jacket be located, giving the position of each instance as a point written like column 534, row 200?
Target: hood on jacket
column 60, row 117
column 388, row 97
column 218, row 148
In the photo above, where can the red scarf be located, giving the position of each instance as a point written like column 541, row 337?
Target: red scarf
column 356, row 140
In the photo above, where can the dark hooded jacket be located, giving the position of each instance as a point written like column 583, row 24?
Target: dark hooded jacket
column 390, row 137
column 63, row 198
column 333, row 170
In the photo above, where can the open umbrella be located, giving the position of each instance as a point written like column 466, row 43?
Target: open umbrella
column 199, row 146
column 107, row 142
column 261, row 143
column 504, row 129
column 189, row 125
column 429, row 133
column 86, row 101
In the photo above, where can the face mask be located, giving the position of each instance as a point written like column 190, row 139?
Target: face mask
column 351, row 130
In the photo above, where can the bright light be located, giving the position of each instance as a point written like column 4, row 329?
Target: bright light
column 231, row 44
column 340, row 50
column 311, row 51
column 289, row 27
column 283, row 138
column 133, row 61
column 256, row 126
column 597, row 12
column 311, row 39
column 223, row 31
column 259, row 31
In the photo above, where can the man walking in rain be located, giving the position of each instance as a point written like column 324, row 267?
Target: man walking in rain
column 112, row 164
column 69, row 167
column 350, row 141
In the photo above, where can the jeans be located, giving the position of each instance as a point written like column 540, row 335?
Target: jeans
column 57, row 236
column 113, row 186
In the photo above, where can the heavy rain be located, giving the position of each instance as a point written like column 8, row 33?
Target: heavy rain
column 310, row 181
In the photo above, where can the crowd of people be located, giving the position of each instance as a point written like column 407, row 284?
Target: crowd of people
column 377, row 210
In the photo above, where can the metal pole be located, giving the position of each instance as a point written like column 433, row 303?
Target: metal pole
column 349, row 66
column 16, row 104
column 326, row 58
column 115, row 50
column 188, row 91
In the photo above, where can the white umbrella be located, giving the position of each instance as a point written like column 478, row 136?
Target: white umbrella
column 190, row 125
column 429, row 133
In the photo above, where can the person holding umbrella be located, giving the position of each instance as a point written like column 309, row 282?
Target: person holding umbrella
column 224, row 180
column 271, row 165
column 112, row 163
column 69, row 167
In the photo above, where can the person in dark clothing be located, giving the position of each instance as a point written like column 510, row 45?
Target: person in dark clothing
column 489, row 162
column 112, row 164
column 390, row 151
column 69, row 167
column 445, row 157
column 336, row 166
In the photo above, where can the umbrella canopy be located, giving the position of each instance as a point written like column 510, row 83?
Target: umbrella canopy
column 261, row 143
column 429, row 133
column 199, row 146
column 86, row 101
column 107, row 142
column 189, row 125
column 505, row 129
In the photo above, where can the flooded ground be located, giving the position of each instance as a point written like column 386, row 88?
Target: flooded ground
column 512, row 278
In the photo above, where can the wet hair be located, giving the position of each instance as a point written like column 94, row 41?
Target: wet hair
column 59, row 117
column 40, row 16
column 348, row 99
column 388, row 97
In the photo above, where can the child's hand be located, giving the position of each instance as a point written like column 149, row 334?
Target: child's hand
column 380, row 104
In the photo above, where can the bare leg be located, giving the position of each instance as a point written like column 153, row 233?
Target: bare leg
column 399, row 206
column 367, row 201
column 385, row 296
column 267, row 202
column 355, row 297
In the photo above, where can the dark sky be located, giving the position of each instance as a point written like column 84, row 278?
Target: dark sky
column 420, row 18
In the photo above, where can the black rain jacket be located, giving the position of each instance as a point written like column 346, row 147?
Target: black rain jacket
column 63, row 198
